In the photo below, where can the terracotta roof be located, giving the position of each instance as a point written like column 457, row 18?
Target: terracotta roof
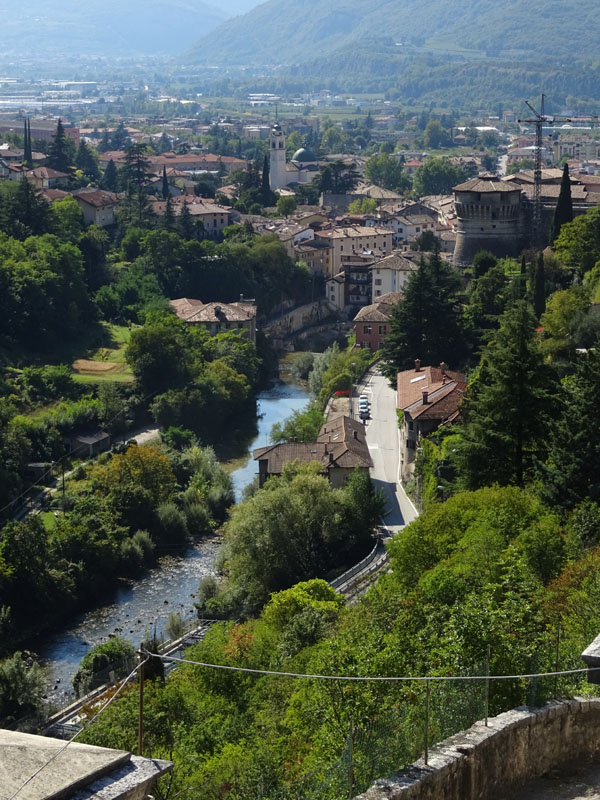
column 51, row 195
column 412, row 383
column 397, row 262
column 196, row 311
column 97, row 198
column 45, row 172
column 381, row 311
column 340, row 444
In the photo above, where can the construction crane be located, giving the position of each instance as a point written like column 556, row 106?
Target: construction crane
column 539, row 120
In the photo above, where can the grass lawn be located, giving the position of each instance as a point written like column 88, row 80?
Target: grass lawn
column 106, row 363
column 48, row 519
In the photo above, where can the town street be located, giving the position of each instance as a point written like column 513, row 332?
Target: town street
column 382, row 438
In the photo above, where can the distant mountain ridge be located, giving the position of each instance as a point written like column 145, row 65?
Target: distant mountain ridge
column 296, row 31
column 111, row 27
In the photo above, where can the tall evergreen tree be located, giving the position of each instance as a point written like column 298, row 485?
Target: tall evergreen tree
column 166, row 192
column 427, row 324
column 120, row 138
column 564, row 207
column 136, row 167
column 265, row 188
column 539, row 287
column 185, row 222
column 86, row 162
column 27, row 156
column 104, row 144
column 109, row 179
column 58, row 152
column 571, row 474
column 168, row 220
column 508, row 406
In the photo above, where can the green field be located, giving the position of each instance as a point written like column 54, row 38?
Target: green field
column 106, row 363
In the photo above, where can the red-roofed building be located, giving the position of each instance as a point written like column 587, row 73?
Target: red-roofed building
column 428, row 397
column 97, row 206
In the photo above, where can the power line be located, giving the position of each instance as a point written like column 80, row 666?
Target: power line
column 369, row 678
column 80, row 731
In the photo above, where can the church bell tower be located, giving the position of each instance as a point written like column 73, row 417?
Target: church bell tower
column 277, row 176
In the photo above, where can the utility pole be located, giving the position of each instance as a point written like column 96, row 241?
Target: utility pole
column 141, row 702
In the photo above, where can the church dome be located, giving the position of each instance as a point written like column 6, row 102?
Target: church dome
column 304, row 156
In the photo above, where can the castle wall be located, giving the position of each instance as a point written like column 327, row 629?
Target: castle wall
column 488, row 221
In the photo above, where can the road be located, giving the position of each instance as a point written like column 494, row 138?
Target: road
column 383, row 441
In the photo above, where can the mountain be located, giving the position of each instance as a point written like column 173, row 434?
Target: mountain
column 108, row 27
column 296, row 31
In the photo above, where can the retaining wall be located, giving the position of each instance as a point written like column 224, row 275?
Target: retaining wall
column 486, row 763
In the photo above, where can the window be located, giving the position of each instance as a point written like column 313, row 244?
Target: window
column 382, row 330
column 378, row 292
column 366, row 329
column 411, row 444
column 377, row 281
column 411, row 425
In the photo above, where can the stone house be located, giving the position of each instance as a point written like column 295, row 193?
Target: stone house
column 218, row 317
column 427, row 397
column 346, row 241
column 97, row 206
column 391, row 274
column 46, row 178
column 341, row 446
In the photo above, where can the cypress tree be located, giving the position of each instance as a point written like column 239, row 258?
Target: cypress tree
column 539, row 287
column 168, row 220
column 58, row 153
column 564, row 207
column 166, row 192
column 185, row 222
column 265, row 187
column 27, row 159
column 109, row 179
column 508, row 406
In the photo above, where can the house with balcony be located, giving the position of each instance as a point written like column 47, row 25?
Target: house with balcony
column 218, row 317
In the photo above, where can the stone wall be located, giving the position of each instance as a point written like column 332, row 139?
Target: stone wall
column 486, row 763
column 298, row 318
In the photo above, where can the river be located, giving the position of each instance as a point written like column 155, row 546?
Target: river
column 171, row 587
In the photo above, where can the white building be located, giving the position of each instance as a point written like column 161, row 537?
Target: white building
column 301, row 169
column 391, row 274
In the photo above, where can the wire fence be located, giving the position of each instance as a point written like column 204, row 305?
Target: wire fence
column 363, row 727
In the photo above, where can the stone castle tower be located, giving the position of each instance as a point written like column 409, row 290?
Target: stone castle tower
column 277, row 171
column 490, row 217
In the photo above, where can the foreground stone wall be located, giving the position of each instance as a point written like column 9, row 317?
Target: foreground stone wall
column 485, row 763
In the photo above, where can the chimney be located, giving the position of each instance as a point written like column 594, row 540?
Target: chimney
column 242, row 298
column 425, row 398
column 331, row 458
column 417, row 364
column 443, row 367
column 217, row 310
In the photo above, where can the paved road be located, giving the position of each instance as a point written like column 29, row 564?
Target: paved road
column 382, row 438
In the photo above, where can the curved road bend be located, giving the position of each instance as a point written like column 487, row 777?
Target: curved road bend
column 383, row 441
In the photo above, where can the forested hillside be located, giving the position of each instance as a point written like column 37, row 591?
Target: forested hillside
column 301, row 30
column 473, row 53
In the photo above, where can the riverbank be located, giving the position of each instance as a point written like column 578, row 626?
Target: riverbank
column 144, row 605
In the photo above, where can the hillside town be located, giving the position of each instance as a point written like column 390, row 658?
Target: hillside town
column 298, row 442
